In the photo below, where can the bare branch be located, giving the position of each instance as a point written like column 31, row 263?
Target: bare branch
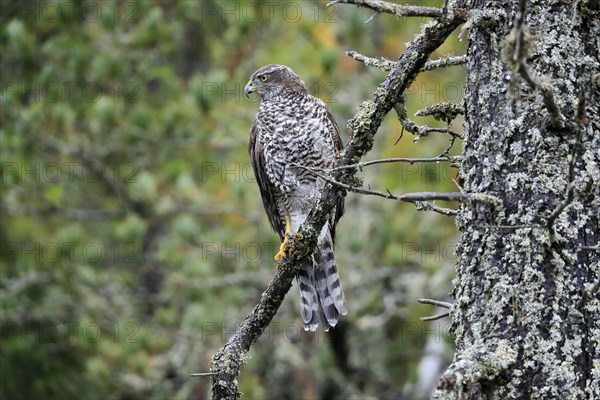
column 433, row 302
column 371, row 17
column 520, row 226
column 442, row 158
column 571, row 187
column 424, row 196
column 436, row 317
column 444, row 62
column 395, row 9
column 596, row 247
column 451, row 196
column 427, row 206
column 438, row 303
column 444, row 153
column 355, row 189
column 408, row 197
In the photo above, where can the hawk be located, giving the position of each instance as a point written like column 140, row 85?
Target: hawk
column 292, row 133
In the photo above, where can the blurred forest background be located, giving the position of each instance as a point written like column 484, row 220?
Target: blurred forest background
column 132, row 233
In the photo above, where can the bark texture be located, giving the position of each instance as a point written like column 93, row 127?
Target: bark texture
column 527, row 309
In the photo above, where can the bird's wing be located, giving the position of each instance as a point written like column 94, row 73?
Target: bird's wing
column 266, row 188
column 338, row 145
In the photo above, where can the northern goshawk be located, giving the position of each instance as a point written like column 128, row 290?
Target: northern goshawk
column 293, row 135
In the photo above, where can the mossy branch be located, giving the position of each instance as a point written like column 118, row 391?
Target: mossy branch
column 226, row 363
column 399, row 10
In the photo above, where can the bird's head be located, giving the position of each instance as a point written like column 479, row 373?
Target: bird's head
column 273, row 79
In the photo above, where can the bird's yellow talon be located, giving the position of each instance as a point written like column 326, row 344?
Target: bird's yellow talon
column 281, row 252
column 286, row 236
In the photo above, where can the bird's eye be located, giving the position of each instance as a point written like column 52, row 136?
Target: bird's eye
column 263, row 78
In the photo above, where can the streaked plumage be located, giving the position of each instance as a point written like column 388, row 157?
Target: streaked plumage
column 294, row 128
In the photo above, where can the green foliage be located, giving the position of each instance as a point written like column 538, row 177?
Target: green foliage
column 133, row 237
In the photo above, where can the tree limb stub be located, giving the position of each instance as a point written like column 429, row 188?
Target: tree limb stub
column 478, row 364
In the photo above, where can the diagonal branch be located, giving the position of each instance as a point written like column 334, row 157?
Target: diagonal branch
column 226, row 363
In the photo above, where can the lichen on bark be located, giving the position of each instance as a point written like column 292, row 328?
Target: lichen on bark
column 519, row 281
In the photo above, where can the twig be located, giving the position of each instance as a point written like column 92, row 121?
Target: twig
column 424, row 196
column 444, row 153
column 440, row 158
column 596, row 247
column 557, row 120
column 433, row 302
column 451, row 196
column 399, row 137
column 395, row 9
column 518, row 54
column 424, row 130
column 407, row 197
column 371, row 17
column 436, row 303
column 447, row 61
column 355, row 189
column 571, row 187
column 587, row 293
column 516, row 50
column 582, row 119
column 435, row 317
column 445, row 7
column 523, row 226
column 427, row 206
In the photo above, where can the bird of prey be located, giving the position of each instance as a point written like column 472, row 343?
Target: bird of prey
column 294, row 134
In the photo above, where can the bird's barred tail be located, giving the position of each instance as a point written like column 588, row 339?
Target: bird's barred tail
column 321, row 294
column 309, row 297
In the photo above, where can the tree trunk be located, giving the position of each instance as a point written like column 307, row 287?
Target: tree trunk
column 526, row 313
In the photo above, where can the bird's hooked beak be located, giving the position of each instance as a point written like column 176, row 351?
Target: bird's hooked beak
column 249, row 88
